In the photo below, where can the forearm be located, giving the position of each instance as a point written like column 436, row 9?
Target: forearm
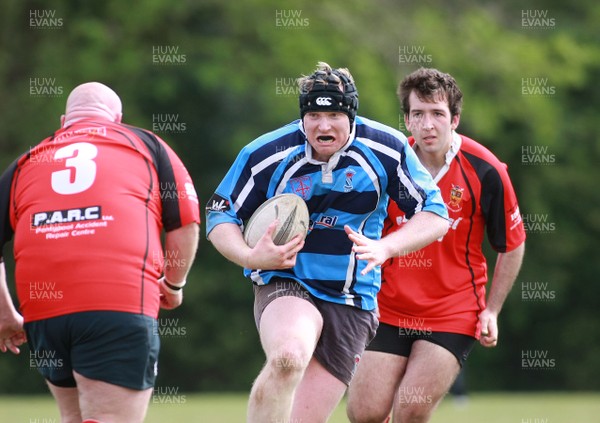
column 11, row 322
column 180, row 250
column 505, row 273
column 228, row 239
column 7, row 307
column 421, row 230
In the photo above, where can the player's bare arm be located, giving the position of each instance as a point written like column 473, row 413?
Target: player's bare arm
column 421, row 230
column 11, row 322
column 228, row 240
column 505, row 273
column 180, row 250
column 180, row 244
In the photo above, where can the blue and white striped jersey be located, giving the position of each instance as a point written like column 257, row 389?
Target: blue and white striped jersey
column 353, row 189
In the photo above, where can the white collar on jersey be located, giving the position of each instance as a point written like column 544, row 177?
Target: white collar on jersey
column 450, row 155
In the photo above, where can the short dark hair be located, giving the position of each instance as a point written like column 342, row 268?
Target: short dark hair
column 431, row 85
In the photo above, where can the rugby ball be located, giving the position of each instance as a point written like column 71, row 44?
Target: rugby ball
column 289, row 209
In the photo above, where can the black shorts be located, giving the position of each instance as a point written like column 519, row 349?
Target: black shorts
column 346, row 329
column 396, row 340
column 113, row 347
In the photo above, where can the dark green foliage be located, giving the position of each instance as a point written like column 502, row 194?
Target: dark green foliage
column 223, row 71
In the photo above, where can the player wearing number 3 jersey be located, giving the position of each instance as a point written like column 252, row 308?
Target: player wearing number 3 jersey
column 86, row 208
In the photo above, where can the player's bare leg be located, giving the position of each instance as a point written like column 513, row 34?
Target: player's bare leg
column 317, row 395
column 430, row 372
column 67, row 400
column 289, row 330
column 371, row 392
column 106, row 402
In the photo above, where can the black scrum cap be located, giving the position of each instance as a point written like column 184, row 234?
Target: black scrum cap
column 325, row 95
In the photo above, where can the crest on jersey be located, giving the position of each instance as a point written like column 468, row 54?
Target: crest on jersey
column 455, row 203
column 301, row 186
column 348, row 186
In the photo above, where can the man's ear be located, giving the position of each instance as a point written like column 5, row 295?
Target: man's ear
column 455, row 121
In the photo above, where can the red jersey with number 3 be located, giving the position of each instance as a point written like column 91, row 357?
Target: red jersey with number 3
column 441, row 288
column 87, row 207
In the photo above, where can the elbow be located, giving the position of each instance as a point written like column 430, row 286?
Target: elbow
column 433, row 226
column 191, row 232
column 442, row 226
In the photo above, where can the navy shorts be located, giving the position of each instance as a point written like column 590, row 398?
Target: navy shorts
column 113, row 347
column 396, row 340
column 345, row 333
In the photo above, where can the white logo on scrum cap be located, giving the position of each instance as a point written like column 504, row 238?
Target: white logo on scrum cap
column 323, row 101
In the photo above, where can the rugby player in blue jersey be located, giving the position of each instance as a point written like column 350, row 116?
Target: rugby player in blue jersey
column 315, row 299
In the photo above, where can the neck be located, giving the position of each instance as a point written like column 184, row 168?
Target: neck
column 433, row 162
column 89, row 112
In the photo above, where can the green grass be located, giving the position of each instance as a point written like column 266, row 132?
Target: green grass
column 223, row 408
column 522, row 408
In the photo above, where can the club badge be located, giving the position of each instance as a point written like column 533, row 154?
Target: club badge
column 301, row 186
column 455, row 203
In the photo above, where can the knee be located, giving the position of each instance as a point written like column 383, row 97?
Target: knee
column 288, row 361
column 414, row 413
column 365, row 413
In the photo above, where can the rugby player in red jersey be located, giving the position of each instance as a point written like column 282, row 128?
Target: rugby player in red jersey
column 87, row 207
column 432, row 303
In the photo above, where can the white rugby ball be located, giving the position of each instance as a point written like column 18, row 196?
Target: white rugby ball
column 289, row 209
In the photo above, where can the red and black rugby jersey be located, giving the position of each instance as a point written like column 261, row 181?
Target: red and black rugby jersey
column 442, row 286
column 86, row 208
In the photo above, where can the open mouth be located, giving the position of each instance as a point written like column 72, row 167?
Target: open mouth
column 325, row 138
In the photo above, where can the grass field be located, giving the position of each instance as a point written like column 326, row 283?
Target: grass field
column 209, row 408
